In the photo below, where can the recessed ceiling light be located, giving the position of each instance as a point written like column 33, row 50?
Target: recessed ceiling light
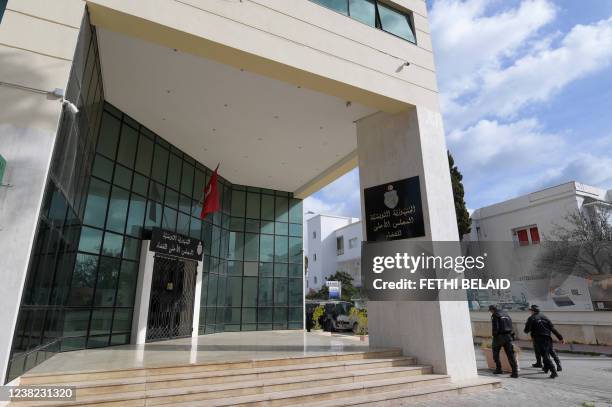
column 299, row 147
column 168, row 91
column 225, row 105
column 321, row 128
column 276, row 117
column 259, row 139
column 214, row 129
column 163, row 118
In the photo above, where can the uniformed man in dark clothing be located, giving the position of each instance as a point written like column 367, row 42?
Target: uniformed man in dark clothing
column 553, row 355
column 541, row 328
column 502, row 333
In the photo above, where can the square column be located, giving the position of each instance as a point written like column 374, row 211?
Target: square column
column 392, row 147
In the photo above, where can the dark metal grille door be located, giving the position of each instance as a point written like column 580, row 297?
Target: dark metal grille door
column 172, row 296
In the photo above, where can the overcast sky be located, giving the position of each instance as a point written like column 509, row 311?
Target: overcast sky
column 526, row 94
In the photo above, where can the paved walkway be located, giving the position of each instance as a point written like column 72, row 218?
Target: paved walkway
column 586, row 381
column 565, row 347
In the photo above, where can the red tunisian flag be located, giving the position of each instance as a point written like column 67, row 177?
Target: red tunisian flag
column 211, row 196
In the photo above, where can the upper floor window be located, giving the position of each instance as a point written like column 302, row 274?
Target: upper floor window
column 375, row 13
column 526, row 236
column 2, row 7
column 340, row 245
column 353, row 243
column 314, row 234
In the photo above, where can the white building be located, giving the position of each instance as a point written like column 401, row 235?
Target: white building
column 528, row 220
column 333, row 244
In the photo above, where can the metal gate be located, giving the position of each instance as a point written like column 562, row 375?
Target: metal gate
column 172, row 297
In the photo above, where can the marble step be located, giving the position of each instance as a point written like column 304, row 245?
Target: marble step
column 421, row 393
column 232, row 389
column 81, row 376
column 337, row 393
column 239, row 375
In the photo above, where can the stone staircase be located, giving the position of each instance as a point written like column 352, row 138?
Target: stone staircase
column 357, row 379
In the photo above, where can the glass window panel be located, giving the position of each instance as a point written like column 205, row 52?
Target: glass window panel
column 97, row 200
column 112, row 244
column 252, row 205
column 117, row 211
column 236, row 245
column 122, row 321
column 76, row 322
column 281, row 248
column 251, row 225
column 153, row 214
column 123, row 177
column 280, row 291
column 266, row 269
column 281, row 228
column 73, row 343
column 195, row 230
column 296, row 314
column 144, row 156
column 169, row 219
column 221, row 289
column 295, row 250
column 265, row 291
column 280, row 315
column 174, row 172
column 267, row 227
column 101, row 320
column 395, row 22
column 107, row 282
column 296, row 287
column 127, row 283
column 83, row 280
column 187, row 178
column 135, row 216
column 249, row 315
column 232, row 316
column 211, row 297
column 140, row 185
column 156, row 191
column 337, row 5
column 103, row 168
column 266, row 248
column 282, row 209
column 199, row 183
column 238, row 203
column 91, row 240
column 131, row 248
column 249, row 291
column 251, row 247
column 267, row 207
column 160, row 164
column 280, row 269
column 234, row 292
column 364, row 11
column 295, row 270
column 172, row 198
column 120, row 339
column 251, row 268
column 264, row 315
column 185, row 205
column 183, row 223
column 237, row 224
column 295, row 229
column 127, row 146
column 109, row 136
column 295, row 211
column 234, row 268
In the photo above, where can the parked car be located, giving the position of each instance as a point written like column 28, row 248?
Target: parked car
column 336, row 316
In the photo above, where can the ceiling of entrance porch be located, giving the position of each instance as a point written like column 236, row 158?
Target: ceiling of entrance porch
column 265, row 132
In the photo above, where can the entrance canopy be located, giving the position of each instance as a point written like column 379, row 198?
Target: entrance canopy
column 265, row 132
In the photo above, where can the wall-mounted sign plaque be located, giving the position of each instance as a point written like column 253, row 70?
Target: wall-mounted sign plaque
column 173, row 244
column 394, row 210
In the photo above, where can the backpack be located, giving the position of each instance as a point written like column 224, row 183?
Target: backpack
column 505, row 324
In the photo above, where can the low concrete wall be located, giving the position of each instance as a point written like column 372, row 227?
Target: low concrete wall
column 591, row 328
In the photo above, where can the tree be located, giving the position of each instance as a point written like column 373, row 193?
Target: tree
column 349, row 291
column 463, row 216
column 582, row 246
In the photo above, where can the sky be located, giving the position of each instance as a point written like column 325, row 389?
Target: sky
column 526, row 97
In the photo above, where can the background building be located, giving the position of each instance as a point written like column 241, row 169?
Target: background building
column 333, row 244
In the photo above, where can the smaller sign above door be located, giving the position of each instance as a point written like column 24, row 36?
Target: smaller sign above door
column 174, row 244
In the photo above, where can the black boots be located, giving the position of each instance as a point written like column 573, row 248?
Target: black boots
column 536, row 365
column 553, row 374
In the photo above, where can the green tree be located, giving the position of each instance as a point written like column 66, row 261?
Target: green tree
column 463, row 216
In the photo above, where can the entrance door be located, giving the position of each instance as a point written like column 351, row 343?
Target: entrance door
column 172, row 296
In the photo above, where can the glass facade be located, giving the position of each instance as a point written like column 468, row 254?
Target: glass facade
column 112, row 181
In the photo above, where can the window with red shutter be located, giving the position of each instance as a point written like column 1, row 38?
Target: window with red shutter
column 522, row 237
column 535, row 235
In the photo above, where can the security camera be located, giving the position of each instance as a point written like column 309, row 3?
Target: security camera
column 71, row 107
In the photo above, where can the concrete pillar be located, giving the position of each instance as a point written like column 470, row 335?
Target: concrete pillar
column 393, row 147
column 143, row 295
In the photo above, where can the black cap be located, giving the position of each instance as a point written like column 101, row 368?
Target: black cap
column 492, row 308
column 534, row 308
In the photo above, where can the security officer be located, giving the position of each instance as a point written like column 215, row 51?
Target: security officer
column 501, row 325
column 553, row 355
column 540, row 328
